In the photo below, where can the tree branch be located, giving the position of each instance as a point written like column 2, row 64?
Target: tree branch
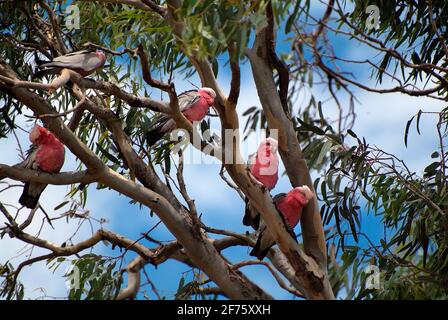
column 63, row 178
column 298, row 173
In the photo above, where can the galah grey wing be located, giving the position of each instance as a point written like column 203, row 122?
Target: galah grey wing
column 276, row 199
column 265, row 239
column 164, row 124
column 187, row 99
column 81, row 60
column 161, row 126
column 251, row 215
column 31, row 190
column 30, row 157
column 264, row 242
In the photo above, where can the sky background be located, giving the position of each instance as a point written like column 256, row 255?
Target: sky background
column 381, row 119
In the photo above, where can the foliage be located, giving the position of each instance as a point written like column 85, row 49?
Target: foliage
column 91, row 277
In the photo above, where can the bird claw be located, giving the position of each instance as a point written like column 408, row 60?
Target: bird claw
column 256, row 182
column 51, row 89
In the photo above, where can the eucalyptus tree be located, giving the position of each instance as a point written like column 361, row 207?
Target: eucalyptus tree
column 150, row 46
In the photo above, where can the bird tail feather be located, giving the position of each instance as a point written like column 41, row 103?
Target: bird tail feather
column 251, row 217
column 158, row 130
column 31, row 194
column 261, row 248
column 44, row 72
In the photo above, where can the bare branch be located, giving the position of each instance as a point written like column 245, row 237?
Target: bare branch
column 235, row 83
column 64, row 178
column 277, row 277
column 155, row 7
column 146, row 72
column 298, row 173
column 277, row 63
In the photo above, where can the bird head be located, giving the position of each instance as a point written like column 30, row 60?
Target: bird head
column 268, row 146
column 100, row 54
column 209, row 94
column 305, row 191
column 299, row 197
column 39, row 134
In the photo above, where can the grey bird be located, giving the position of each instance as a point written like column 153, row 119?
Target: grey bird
column 85, row 62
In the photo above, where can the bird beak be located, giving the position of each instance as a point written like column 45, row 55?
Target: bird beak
column 34, row 134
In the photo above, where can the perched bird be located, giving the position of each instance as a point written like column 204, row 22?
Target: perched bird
column 263, row 165
column 290, row 206
column 85, row 62
column 193, row 104
column 46, row 154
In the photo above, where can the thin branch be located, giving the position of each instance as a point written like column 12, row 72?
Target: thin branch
column 64, row 178
column 277, row 277
column 146, row 72
column 277, row 63
column 156, row 8
column 235, row 83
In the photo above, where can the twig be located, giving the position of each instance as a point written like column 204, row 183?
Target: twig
column 277, row 277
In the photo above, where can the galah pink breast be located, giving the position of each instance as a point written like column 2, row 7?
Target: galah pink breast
column 193, row 104
column 263, row 165
column 46, row 154
column 290, row 207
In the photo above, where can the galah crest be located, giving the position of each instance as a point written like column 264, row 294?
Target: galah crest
column 85, row 62
column 46, row 154
column 290, row 206
column 263, row 165
column 193, row 104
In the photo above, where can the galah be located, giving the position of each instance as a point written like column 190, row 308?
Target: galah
column 193, row 104
column 46, row 154
column 290, row 206
column 85, row 62
column 263, row 165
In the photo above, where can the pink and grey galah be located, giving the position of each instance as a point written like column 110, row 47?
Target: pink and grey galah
column 85, row 62
column 46, row 154
column 193, row 104
column 290, row 207
column 263, row 165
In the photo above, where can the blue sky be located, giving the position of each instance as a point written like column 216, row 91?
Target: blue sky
column 380, row 118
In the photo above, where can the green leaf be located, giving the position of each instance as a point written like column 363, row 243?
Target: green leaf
column 108, row 155
column 309, row 127
column 323, row 151
column 432, row 167
column 406, row 132
column 292, row 17
column 419, row 114
column 59, row 206
column 350, row 132
column 249, row 110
